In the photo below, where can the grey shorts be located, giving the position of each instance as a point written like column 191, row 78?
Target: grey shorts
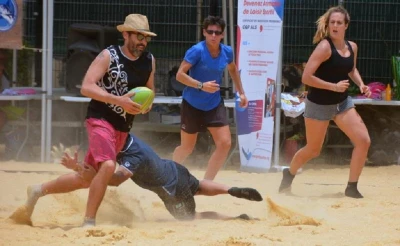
column 326, row 112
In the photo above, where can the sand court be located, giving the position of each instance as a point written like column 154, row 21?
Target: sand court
column 316, row 212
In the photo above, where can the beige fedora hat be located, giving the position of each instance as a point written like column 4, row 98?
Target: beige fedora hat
column 136, row 23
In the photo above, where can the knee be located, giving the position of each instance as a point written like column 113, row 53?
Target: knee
column 187, row 148
column 367, row 142
column 223, row 144
column 313, row 152
column 85, row 184
column 363, row 142
column 108, row 166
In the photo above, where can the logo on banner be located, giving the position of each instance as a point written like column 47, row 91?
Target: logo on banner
column 249, row 27
column 245, row 43
column 247, row 154
column 8, row 14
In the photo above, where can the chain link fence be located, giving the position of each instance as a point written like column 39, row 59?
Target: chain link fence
column 374, row 26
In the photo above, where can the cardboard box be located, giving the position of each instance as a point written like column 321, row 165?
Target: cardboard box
column 171, row 118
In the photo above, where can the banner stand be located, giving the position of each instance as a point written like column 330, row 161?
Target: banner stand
column 259, row 55
column 276, row 167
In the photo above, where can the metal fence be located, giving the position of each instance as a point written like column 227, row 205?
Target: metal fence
column 176, row 22
column 299, row 28
column 374, row 27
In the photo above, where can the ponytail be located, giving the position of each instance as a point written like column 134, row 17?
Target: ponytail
column 323, row 21
column 322, row 28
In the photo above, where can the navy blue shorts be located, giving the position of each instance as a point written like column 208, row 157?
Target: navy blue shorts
column 183, row 206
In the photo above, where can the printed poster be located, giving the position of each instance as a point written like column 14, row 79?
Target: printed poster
column 258, row 45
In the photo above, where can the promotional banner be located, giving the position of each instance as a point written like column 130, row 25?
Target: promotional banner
column 258, row 42
column 11, row 24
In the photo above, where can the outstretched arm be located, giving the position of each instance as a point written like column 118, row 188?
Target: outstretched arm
column 120, row 176
column 87, row 172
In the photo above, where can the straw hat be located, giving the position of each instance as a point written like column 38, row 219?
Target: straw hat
column 136, row 23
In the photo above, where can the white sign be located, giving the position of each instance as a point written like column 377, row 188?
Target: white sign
column 258, row 43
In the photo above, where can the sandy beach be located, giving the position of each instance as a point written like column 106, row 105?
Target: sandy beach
column 316, row 213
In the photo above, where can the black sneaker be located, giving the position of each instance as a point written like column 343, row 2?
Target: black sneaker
column 287, row 180
column 246, row 193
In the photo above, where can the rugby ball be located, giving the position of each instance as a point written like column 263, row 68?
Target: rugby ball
column 143, row 96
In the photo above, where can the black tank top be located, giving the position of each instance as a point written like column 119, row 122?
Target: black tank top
column 333, row 70
column 123, row 75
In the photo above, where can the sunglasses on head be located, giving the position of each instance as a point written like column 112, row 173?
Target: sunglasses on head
column 211, row 32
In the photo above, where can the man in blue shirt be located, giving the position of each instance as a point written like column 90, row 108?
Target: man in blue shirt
column 202, row 105
column 171, row 181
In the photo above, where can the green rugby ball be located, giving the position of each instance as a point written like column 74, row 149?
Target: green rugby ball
column 143, row 96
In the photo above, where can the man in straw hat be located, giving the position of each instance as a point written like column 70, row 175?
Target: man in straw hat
column 114, row 72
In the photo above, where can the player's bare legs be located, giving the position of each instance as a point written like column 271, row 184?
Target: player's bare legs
column 211, row 188
column 222, row 140
column 97, row 190
column 63, row 184
column 188, row 142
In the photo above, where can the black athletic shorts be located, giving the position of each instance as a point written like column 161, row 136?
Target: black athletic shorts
column 194, row 120
column 182, row 206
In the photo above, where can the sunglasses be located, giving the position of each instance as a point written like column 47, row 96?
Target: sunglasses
column 140, row 36
column 211, row 32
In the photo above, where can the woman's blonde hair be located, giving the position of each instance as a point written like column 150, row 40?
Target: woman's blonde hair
column 323, row 21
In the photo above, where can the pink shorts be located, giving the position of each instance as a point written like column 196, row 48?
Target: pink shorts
column 104, row 142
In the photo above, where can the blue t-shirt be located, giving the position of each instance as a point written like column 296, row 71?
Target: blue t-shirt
column 205, row 68
column 148, row 169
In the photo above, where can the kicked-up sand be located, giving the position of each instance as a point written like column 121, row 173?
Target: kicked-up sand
column 315, row 213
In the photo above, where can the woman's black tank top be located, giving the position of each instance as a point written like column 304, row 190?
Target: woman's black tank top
column 333, row 70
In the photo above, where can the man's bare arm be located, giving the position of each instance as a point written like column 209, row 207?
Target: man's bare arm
column 120, row 176
column 90, row 89
column 95, row 72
